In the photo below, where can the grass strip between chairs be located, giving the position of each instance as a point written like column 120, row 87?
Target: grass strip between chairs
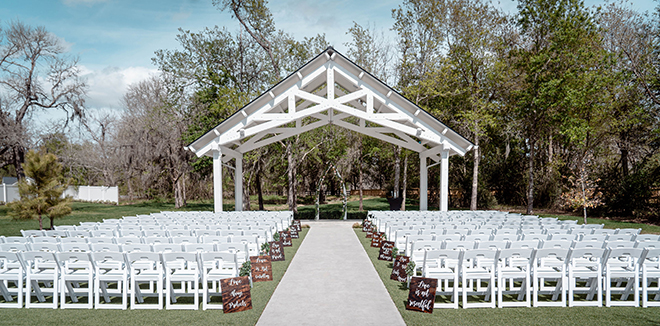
column 584, row 316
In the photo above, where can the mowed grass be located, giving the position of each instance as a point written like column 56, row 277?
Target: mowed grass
column 584, row 316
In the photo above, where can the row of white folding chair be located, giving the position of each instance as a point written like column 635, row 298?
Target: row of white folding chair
column 254, row 236
column 555, row 271
column 63, row 274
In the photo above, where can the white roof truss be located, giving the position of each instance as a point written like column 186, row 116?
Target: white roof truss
column 330, row 89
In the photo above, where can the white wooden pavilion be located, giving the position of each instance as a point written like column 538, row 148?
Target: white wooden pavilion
column 356, row 100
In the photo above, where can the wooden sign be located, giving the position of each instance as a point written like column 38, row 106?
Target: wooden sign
column 370, row 232
column 399, row 269
column 294, row 232
column 236, row 294
column 262, row 268
column 386, row 251
column 376, row 239
column 296, row 223
column 365, row 225
column 276, row 251
column 422, row 294
column 285, row 237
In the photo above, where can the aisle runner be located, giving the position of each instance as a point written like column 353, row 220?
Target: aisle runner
column 331, row 281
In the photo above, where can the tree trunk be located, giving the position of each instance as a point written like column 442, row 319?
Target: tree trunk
column 475, row 175
column 360, row 185
column 52, row 223
column 623, row 145
column 405, row 183
column 530, row 184
column 397, row 171
column 41, row 227
column 259, row 193
column 176, row 184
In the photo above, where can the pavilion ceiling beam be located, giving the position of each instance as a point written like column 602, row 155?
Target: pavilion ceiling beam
column 284, row 135
column 377, row 135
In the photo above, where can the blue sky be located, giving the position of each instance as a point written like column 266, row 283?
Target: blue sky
column 116, row 39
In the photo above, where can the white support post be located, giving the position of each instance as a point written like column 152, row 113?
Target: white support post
column 331, row 83
column 238, row 184
column 423, row 183
column 217, row 181
column 444, row 180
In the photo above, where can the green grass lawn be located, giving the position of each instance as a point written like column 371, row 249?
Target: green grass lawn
column 583, row 316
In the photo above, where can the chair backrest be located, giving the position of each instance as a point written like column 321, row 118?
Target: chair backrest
column 592, row 254
column 481, row 255
column 199, row 247
column 101, row 240
column 185, row 239
column 647, row 244
column 647, row 237
column 604, row 231
column 526, row 236
column 32, row 233
column 524, row 244
column 105, row 259
column 73, row 240
column 448, row 237
column 45, row 240
column 214, row 239
column 621, row 237
column 620, row 244
column 507, row 231
column 179, row 233
column 154, row 240
column 506, row 237
column 455, row 256
column 65, row 257
column 55, row 233
column 204, row 233
column 105, row 247
column 167, row 247
column 477, row 237
column 144, row 256
column 552, row 256
column 155, row 233
column 15, row 247
column 75, row 247
column 227, row 233
column 17, row 240
column 130, row 233
column 10, row 260
column 460, row 245
column 483, row 231
column 588, row 244
column 239, row 249
column 594, row 237
column 128, row 239
column 30, row 257
column 52, row 247
column 629, row 231
column 135, row 247
column 564, row 237
column 78, row 233
column 631, row 255
column 221, row 260
column 174, row 260
column 491, row 244
column 651, row 255
column 556, row 244
column 103, row 233
column 513, row 256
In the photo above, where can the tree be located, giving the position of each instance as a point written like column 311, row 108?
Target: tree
column 35, row 74
column 41, row 194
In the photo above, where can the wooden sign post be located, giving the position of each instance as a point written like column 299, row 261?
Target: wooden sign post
column 386, row 251
column 236, row 294
column 376, row 239
column 297, row 225
column 294, row 232
column 276, row 251
column 422, row 294
column 399, row 269
column 285, row 237
column 262, row 268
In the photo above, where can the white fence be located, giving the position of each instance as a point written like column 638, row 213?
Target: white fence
column 9, row 193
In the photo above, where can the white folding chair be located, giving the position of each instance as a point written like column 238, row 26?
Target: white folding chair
column 145, row 268
column 444, row 265
column 647, row 237
column 135, row 247
column 42, row 277
column 199, row 247
column 11, row 272
column 73, row 240
column 76, row 271
column 75, row 247
column 32, row 233
column 549, row 267
column 51, row 247
column 524, row 244
column 166, row 247
column 515, row 266
column 45, row 240
column 585, row 277
column 184, row 239
column 155, row 240
column 181, row 268
column 22, row 240
column 478, row 265
column 651, row 271
column 110, row 269
column 105, row 240
column 216, row 266
column 622, row 267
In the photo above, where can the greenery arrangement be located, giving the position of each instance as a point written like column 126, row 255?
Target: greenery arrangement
column 246, row 269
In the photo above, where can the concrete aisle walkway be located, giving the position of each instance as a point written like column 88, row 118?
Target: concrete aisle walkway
column 331, row 281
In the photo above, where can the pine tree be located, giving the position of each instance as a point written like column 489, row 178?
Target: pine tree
column 41, row 192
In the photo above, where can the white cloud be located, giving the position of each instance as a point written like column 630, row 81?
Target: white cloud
column 106, row 87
